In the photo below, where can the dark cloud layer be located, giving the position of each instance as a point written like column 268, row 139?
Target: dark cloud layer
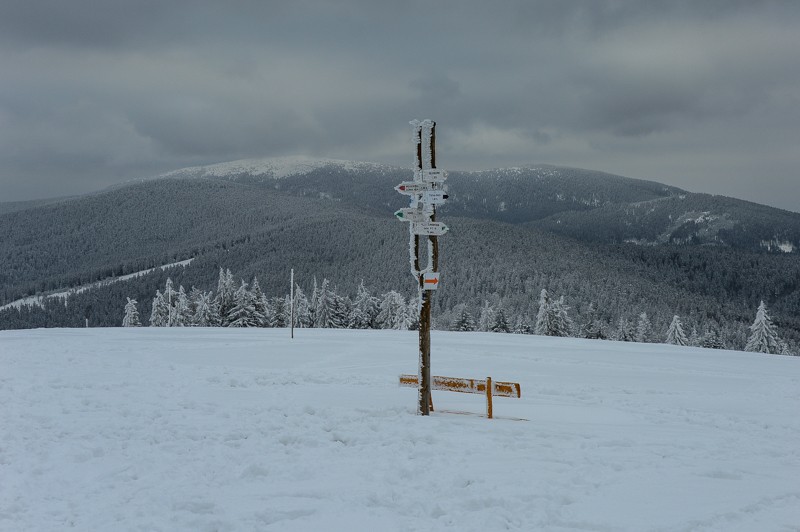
column 703, row 95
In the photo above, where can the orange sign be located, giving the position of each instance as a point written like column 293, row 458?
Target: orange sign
column 455, row 384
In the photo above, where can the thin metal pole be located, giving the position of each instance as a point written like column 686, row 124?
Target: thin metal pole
column 291, row 301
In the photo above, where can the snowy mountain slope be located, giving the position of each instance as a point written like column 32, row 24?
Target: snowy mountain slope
column 513, row 232
column 271, row 167
column 64, row 294
column 203, row 429
column 583, row 204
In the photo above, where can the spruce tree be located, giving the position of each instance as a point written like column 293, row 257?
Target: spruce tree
column 159, row 315
column 500, row 322
column 277, row 315
column 224, row 299
column 544, row 316
column 302, row 315
column 365, row 309
column 205, row 315
column 323, row 306
column 464, row 321
column 594, row 327
column 181, row 315
column 675, row 334
column 486, row 317
column 131, row 318
column 522, row 325
column 711, row 339
column 259, row 304
column 644, row 329
column 560, row 320
column 624, row 332
column 243, row 312
column 763, row 334
column 392, row 314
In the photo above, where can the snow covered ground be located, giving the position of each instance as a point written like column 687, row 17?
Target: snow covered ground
column 222, row 429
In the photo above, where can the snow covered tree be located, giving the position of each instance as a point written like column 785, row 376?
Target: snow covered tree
column 392, row 313
column 763, row 334
column 224, row 299
column 675, row 334
column 644, row 329
column 205, row 315
column 243, row 312
column 411, row 321
column 694, row 338
column 278, row 314
column 499, row 321
column 259, row 304
column 302, row 314
column 323, row 308
column 341, row 309
column 486, row 317
column 594, row 327
column 159, row 315
column 625, row 331
column 522, row 325
column 544, row 316
column 365, row 309
column 464, row 321
column 131, row 318
column 181, row 314
column 562, row 323
column 711, row 339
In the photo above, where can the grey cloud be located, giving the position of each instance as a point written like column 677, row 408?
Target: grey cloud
column 102, row 92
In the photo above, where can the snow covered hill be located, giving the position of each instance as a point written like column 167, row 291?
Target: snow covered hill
column 221, row 429
column 272, row 167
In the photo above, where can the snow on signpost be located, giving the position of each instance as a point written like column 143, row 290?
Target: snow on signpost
column 426, row 191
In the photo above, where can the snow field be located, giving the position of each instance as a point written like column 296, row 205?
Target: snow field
column 223, row 429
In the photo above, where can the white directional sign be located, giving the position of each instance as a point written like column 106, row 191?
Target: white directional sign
column 434, row 175
column 412, row 215
column 430, row 280
column 434, row 197
column 429, row 228
column 413, row 187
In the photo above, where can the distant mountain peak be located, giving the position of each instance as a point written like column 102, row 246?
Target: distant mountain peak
column 274, row 167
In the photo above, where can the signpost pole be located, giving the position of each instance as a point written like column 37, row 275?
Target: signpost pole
column 426, row 191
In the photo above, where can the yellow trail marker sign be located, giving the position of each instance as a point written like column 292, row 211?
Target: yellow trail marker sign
column 455, row 384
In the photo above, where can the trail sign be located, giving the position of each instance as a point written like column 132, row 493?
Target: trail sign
column 430, row 280
column 484, row 387
column 434, row 175
column 410, row 214
column 434, row 197
column 429, row 228
column 413, row 187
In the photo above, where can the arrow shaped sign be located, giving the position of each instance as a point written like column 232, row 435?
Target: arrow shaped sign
column 434, row 197
column 430, row 280
column 413, row 187
column 429, row 228
column 412, row 215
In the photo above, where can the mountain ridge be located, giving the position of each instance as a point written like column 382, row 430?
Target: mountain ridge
column 589, row 236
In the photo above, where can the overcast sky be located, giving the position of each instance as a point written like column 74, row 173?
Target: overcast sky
column 704, row 95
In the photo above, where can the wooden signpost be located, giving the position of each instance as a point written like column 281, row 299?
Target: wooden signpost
column 426, row 191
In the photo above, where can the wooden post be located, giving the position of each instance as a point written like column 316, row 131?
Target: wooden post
column 424, row 317
column 489, row 390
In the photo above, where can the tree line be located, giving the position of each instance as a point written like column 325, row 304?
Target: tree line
column 246, row 305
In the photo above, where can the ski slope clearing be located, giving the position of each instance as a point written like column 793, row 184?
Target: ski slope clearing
column 244, row 429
